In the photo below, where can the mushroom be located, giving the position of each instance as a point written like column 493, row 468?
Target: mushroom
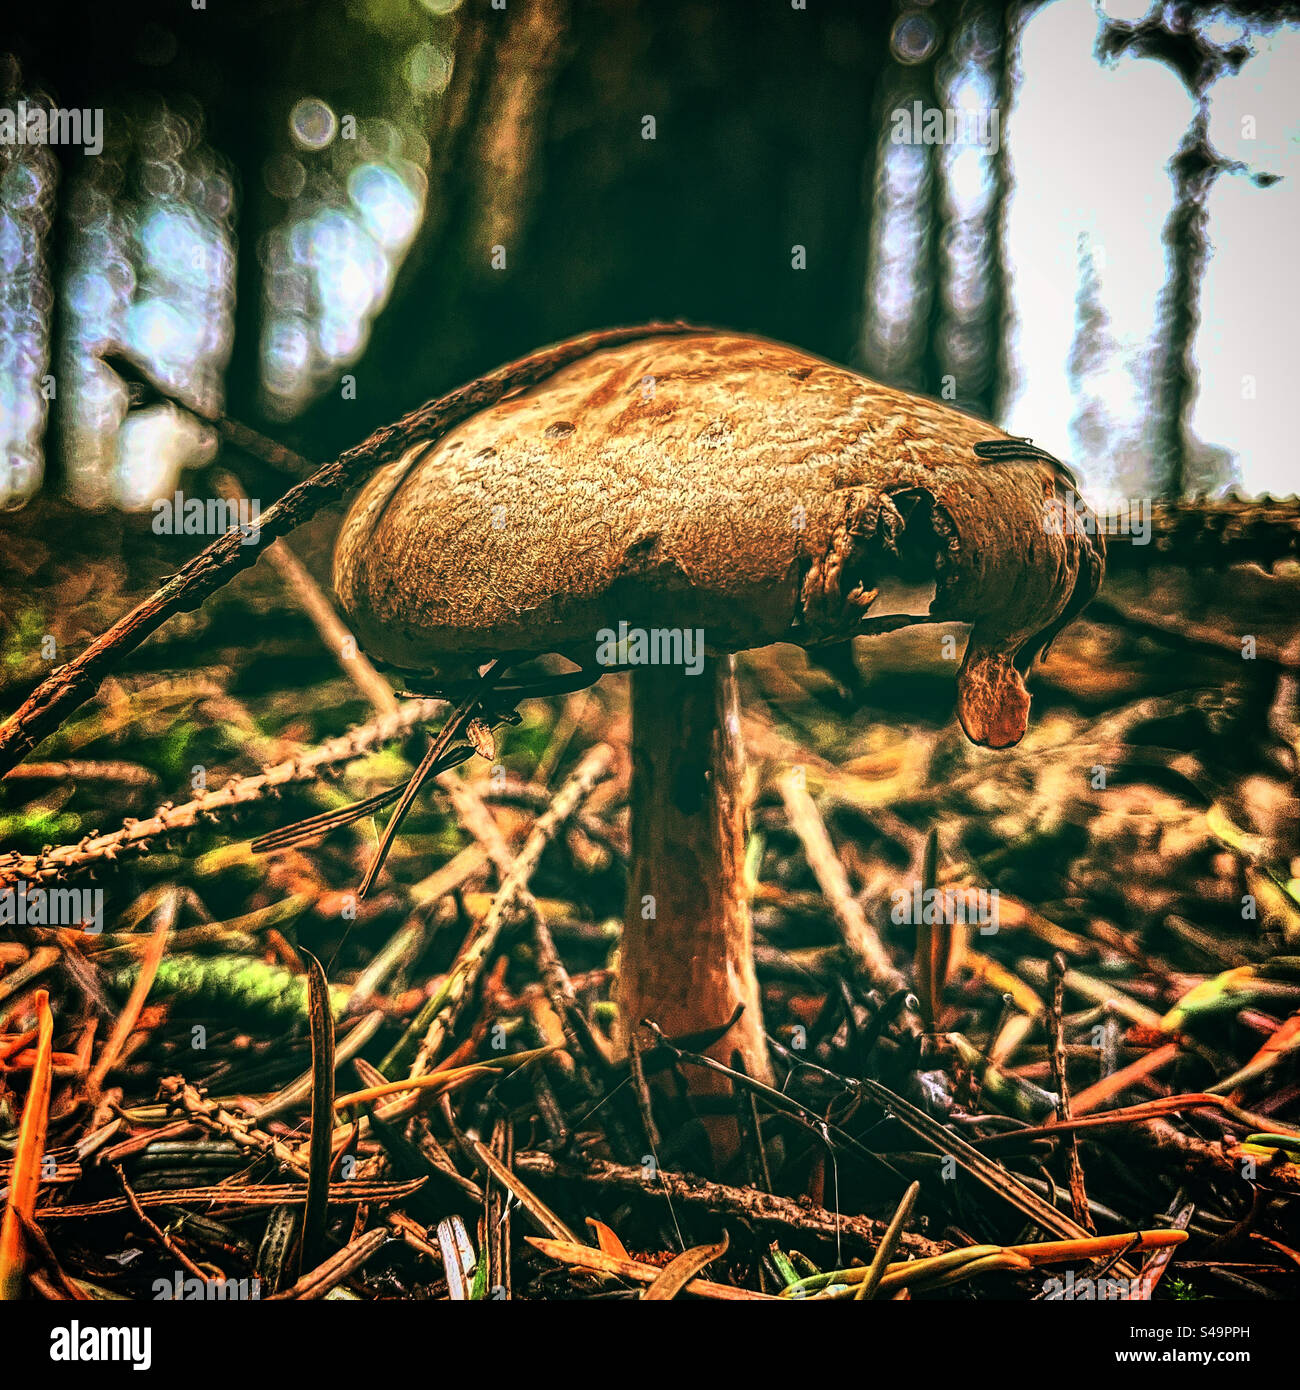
column 735, row 487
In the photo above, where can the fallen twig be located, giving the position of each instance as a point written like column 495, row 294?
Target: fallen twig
column 776, row 1215
column 860, row 937
column 135, row 835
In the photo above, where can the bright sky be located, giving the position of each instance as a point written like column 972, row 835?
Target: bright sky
column 1088, row 146
column 1251, row 304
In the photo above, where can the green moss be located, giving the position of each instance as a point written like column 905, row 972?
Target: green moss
column 36, row 826
column 22, row 645
column 244, row 987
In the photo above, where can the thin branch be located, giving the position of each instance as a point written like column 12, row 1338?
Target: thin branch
column 156, row 1231
column 777, row 1215
column 1060, row 1078
column 863, row 942
column 446, row 1007
column 135, row 835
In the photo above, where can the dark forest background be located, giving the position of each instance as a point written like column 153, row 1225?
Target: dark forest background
column 237, row 232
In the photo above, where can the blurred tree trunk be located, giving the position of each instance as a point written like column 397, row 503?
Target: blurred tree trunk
column 631, row 161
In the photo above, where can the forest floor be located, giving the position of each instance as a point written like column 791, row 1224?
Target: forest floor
column 1112, row 1055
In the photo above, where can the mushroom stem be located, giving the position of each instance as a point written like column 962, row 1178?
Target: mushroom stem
column 687, row 957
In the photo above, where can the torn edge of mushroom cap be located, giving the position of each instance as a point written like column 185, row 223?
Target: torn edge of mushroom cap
column 992, row 698
column 997, row 564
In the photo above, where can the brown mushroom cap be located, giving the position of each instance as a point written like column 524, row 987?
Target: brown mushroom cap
column 720, row 482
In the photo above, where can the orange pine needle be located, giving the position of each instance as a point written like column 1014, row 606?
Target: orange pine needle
column 1147, row 1065
column 25, row 1179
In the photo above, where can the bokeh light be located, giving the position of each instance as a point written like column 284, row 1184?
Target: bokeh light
column 897, row 292
column 150, row 267
column 313, row 123
column 27, row 192
column 330, row 265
